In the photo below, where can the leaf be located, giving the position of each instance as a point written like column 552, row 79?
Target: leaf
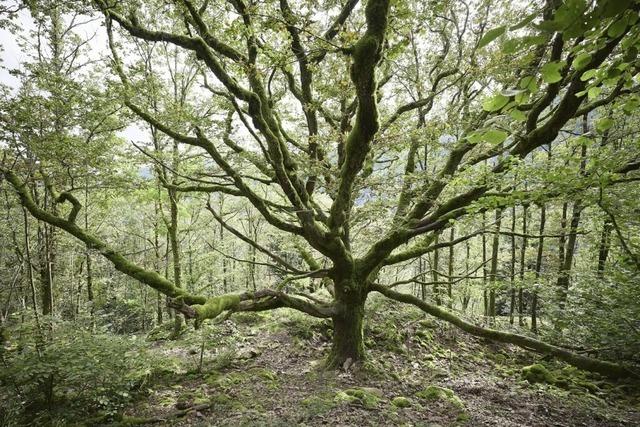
column 604, row 124
column 529, row 83
column 594, row 92
column 631, row 105
column 551, row 71
column 491, row 35
column 588, row 75
column 475, row 137
column 526, row 21
column 517, row 115
column 494, row 136
column 582, row 61
column 495, row 103
column 617, row 28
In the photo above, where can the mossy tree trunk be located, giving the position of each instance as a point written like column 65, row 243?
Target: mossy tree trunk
column 348, row 323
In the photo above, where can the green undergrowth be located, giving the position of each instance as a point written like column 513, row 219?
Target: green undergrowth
column 568, row 378
column 67, row 370
column 253, row 363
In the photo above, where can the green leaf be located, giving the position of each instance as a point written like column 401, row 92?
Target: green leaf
column 588, row 75
column 617, row 28
column 474, row 137
column 529, row 83
column 582, row 61
column 631, row 105
column 491, row 35
column 551, row 71
column 594, row 92
column 604, row 124
column 517, row 115
column 495, row 103
column 494, row 136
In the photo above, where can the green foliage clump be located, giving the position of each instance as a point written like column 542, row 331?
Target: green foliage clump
column 537, row 373
column 68, row 370
column 124, row 316
column 569, row 378
column 401, row 402
column 434, row 392
column 367, row 397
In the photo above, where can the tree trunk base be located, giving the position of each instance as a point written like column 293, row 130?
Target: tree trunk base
column 348, row 341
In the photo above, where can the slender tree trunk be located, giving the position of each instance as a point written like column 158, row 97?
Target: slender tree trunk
column 29, row 267
column 423, row 286
column 512, row 269
column 157, row 261
column 565, row 269
column 605, row 244
column 494, row 264
column 523, row 253
column 538, row 269
column 435, row 272
column 450, row 268
column 89, row 278
column 466, row 295
column 46, row 285
column 484, row 266
column 562, row 241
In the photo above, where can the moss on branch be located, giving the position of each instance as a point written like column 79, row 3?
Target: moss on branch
column 606, row 368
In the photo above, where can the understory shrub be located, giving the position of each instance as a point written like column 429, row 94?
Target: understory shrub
column 64, row 369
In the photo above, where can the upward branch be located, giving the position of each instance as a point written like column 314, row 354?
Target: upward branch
column 366, row 54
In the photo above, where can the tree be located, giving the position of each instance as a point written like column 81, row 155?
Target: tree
column 316, row 137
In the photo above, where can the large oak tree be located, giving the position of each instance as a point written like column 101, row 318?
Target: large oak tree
column 314, row 100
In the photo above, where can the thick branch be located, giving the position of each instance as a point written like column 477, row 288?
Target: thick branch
column 589, row 364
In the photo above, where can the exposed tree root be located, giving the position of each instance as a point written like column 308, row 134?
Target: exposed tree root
column 608, row 369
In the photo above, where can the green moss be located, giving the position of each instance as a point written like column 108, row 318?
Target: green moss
column 220, row 401
column 463, row 417
column 342, row 397
column 266, row 374
column 401, row 402
column 367, row 397
column 537, row 373
column 216, row 305
column 434, row 392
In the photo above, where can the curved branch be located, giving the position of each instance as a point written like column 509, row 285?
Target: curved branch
column 149, row 278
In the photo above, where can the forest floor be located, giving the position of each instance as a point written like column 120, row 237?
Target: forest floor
column 264, row 369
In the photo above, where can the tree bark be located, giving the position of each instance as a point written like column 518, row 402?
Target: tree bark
column 538, row 268
column 605, row 244
column 495, row 251
column 348, row 323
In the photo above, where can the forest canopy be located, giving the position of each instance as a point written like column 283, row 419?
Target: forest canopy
column 475, row 159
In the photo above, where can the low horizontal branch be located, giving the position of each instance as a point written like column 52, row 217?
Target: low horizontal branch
column 583, row 362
